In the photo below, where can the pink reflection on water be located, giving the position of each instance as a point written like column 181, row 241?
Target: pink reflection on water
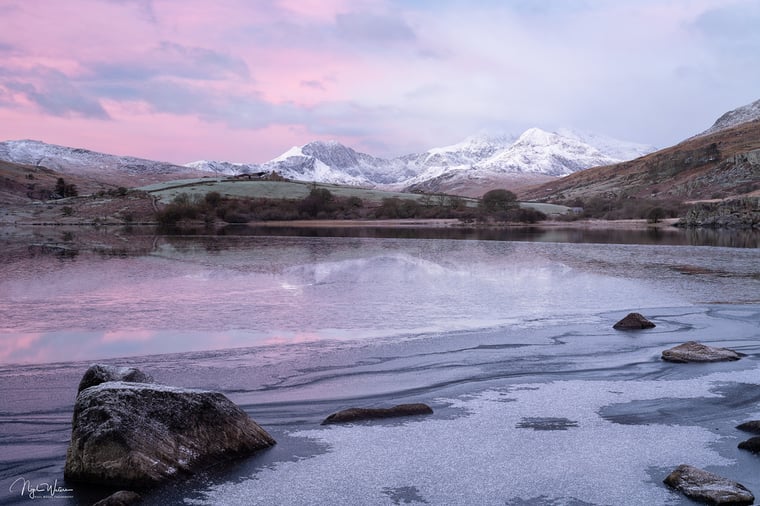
column 16, row 345
column 296, row 338
column 117, row 336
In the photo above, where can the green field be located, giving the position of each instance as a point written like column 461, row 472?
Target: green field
column 167, row 191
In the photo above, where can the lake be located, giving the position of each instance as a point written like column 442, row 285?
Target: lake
column 506, row 334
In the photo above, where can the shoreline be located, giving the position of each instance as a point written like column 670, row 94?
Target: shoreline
column 589, row 224
column 592, row 224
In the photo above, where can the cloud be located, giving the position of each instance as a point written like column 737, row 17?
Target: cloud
column 176, row 60
column 371, row 28
column 57, row 94
column 313, row 84
column 732, row 28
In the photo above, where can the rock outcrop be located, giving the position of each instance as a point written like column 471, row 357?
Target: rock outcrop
column 138, row 435
column 634, row 321
column 703, row 486
column 360, row 414
column 693, row 351
column 751, row 426
column 752, row 444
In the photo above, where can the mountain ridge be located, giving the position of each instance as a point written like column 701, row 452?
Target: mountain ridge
column 520, row 160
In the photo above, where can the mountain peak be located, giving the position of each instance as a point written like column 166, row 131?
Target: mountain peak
column 538, row 137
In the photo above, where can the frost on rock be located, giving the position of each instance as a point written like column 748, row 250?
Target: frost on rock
column 141, row 434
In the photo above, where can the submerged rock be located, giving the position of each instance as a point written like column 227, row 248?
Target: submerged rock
column 693, row 351
column 633, row 321
column 100, row 373
column 120, row 498
column 707, row 487
column 359, row 414
column 751, row 426
column 752, row 444
column 138, row 435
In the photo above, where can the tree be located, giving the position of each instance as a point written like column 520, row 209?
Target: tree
column 498, row 200
column 318, row 201
column 62, row 189
column 655, row 215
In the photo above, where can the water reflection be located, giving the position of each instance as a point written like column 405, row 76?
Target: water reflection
column 665, row 236
column 92, row 294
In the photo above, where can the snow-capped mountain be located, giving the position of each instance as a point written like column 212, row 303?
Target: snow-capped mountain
column 743, row 114
column 477, row 158
column 540, row 152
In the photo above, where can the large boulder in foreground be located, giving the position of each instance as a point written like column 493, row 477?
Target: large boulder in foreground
column 693, row 351
column 137, row 435
column 359, row 414
column 707, row 487
column 633, row 321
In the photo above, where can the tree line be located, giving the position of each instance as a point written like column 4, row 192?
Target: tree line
column 321, row 204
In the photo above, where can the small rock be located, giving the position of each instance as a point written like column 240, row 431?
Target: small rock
column 120, row 498
column 100, row 373
column 693, row 351
column 707, row 487
column 634, row 321
column 751, row 426
column 752, row 444
column 359, row 414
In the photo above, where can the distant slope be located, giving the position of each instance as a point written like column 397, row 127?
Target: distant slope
column 719, row 164
column 118, row 170
column 744, row 114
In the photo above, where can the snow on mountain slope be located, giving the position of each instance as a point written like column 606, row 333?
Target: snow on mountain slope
column 81, row 161
column 614, row 148
column 223, row 168
column 541, row 152
column 743, row 114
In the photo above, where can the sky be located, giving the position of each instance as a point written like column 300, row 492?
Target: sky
column 244, row 80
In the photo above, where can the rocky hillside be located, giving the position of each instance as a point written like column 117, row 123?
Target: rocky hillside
column 724, row 163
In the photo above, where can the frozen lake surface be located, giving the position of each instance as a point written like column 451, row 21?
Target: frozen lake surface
column 537, row 400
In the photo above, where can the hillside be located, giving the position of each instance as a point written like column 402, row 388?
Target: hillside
column 725, row 163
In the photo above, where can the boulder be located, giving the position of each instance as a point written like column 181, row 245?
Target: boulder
column 693, row 351
column 634, row 321
column 751, row 426
column 137, row 435
column 120, row 498
column 752, row 444
column 100, row 373
column 703, row 486
column 359, row 414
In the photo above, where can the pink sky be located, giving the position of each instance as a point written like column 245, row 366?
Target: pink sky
column 243, row 80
